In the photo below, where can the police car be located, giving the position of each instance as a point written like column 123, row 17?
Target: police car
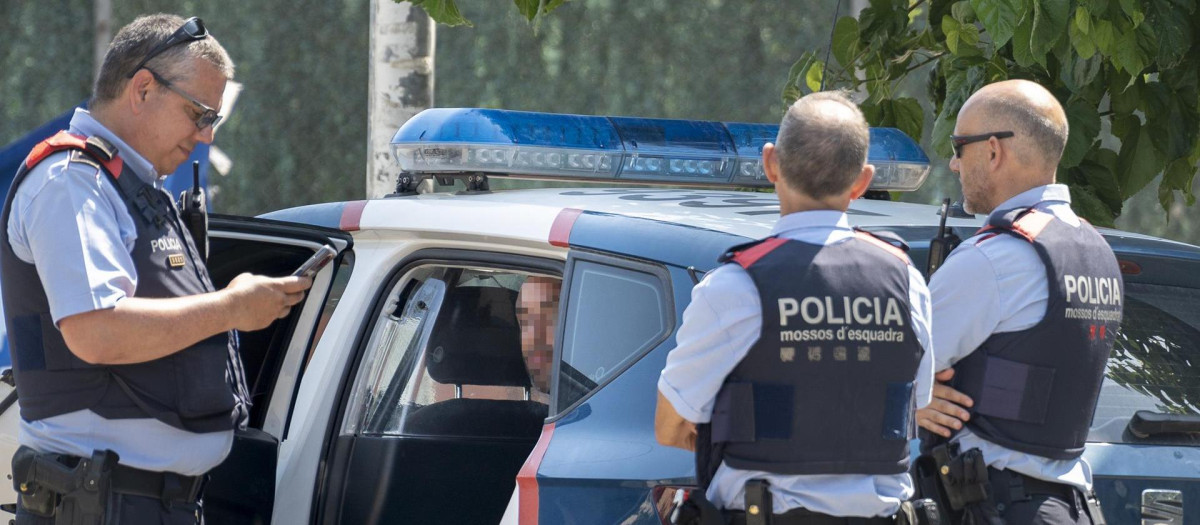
column 401, row 391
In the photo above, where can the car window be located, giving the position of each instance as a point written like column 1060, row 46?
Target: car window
column 1155, row 363
column 447, row 357
column 614, row 314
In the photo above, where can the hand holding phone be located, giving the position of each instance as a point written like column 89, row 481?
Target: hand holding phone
column 316, row 262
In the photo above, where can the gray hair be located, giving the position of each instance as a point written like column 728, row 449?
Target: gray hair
column 134, row 41
column 1036, row 133
column 822, row 149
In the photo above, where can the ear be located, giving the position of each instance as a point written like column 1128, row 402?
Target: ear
column 997, row 155
column 863, row 182
column 138, row 90
column 770, row 162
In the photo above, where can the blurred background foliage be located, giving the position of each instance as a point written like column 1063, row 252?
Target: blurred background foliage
column 299, row 131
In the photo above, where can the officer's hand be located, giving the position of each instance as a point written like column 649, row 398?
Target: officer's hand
column 945, row 414
column 255, row 300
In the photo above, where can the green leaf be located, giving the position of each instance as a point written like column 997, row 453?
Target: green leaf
column 1087, row 205
column 963, row 12
column 1050, row 19
column 951, row 28
column 1133, row 10
column 909, row 117
column 845, row 41
column 1096, row 171
column 943, row 127
column 1138, row 162
column 1084, row 70
column 813, row 77
column 1179, row 175
column 1082, row 42
column 444, row 12
column 1124, row 93
column 528, row 8
column 792, row 90
column 1022, row 36
column 1083, row 121
column 999, row 18
column 1169, row 20
column 1083, row 19
column 1097, row 7
column 1102, row 36
column 1125, row 126
column 1129, row 55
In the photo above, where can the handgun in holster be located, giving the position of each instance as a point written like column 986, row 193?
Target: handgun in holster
column 963, row 478
column 193, row 210
column 50, row 486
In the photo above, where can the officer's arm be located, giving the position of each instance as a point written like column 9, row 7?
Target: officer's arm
column 671, row 429
column 139, row 329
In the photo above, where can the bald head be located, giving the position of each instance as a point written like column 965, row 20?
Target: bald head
column 822, row 144
column 1028, row 110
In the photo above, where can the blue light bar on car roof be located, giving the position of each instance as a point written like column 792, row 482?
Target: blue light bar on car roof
column 579, row 147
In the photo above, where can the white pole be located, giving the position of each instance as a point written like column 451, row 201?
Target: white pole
column 400, row 83
column 101, row 31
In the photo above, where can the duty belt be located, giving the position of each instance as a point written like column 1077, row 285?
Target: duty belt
column 808, row 517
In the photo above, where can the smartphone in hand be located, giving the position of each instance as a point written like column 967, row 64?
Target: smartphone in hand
column 316, row 262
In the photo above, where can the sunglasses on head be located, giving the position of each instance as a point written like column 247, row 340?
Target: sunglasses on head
column 958, row 141
column 192, row 30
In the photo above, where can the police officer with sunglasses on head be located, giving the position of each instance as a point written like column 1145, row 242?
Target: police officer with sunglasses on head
column 1026, row 314
column 124, row 354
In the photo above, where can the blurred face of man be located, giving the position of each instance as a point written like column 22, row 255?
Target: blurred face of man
column 169, row 120
column 537, row 313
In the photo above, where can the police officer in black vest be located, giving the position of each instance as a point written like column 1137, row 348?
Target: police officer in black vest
column 125, row 356
column 1027, row 312
column 799, row 362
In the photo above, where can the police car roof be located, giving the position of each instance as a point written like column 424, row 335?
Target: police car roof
column 529, row 213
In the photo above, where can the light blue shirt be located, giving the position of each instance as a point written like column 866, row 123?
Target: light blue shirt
column 720, row 325
column 69, row 221
column 996, row 286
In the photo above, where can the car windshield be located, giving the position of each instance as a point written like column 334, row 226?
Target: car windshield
column 1154, row 362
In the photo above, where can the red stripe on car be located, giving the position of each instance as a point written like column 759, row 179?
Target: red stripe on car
column 351, row 216
column 560, row 231
column 527, row 485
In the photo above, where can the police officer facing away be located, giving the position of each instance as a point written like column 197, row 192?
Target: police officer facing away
column 120, row 341
column 1026, row 316
column 799, row 363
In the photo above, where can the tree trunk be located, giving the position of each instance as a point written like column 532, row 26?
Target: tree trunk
column 101, row 32
column 400, row 83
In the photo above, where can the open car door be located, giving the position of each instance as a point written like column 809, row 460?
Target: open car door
column 242, row 489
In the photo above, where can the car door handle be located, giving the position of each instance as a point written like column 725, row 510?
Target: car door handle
column 1162, row 507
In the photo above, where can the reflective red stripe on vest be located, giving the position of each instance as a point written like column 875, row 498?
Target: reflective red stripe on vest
column 65, row 141
column 751, row 255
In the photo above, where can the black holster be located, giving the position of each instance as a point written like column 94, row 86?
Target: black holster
column 697, row 510
column 958, row 482
column 74, row 491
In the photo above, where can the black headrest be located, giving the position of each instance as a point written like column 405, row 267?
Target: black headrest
column 476, row 339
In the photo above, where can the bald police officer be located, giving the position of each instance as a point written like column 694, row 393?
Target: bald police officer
column 1027, row 312
column 121, row 346
column 799, row 362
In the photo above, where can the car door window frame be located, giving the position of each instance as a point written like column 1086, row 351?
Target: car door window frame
column 426, row 257
column 662, row 277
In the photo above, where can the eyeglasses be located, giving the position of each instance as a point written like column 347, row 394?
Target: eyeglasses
column 208, row 116
column 192, row 30
column 958, row 141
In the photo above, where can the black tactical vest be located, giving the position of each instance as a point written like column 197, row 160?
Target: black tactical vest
column 1035, row 390
column 193, row 389
column 828, row 387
